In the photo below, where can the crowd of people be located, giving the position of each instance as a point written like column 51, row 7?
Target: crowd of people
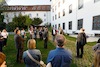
column 59, row 57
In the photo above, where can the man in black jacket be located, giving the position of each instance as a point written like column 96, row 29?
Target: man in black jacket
column 81, row 41
column 45, row 37
column 19, row 43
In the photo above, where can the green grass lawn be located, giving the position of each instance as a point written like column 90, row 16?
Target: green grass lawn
column 86, row 61
column 10, row 51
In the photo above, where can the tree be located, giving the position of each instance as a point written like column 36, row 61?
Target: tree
column 37, row 21
column 19, row 21
column 2, row 24
column 11, row 26
column 28, row 21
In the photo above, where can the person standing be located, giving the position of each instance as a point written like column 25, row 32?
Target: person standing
column 53, row 33
column 23, row 33
column 31, row 32
column 96, row 62
column 2, row 60
column 1, row 42
column 17, row 28
column 97, row 46
column 40, row 34
column 19, row 43
column 59, row 57
column 45, row 37
column 5, row 36
column 81, row 41
column 35, row 53
column 60, row 31
column 35, row 33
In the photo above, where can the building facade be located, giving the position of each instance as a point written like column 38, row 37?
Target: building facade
column 39, row 10
column 44, row 15
column 71, row 15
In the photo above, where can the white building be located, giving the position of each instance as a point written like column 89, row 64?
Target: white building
column 71, row 15
column 44, row 15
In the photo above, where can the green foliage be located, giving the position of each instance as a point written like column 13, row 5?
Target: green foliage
column 23, row 22
column 28, row 21
column 11, row 26
column 2, row 24
column 37, row 21
column 10, row 51
column 19, row 21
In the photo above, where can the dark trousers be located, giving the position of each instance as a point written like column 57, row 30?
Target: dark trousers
column 5, row 42
column 53, row 38
column 1, row 46
column 45, row 43
column 41, row 36
column 79, row 49
column 19, row 54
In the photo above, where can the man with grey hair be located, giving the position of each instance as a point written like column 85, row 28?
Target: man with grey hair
column 59, row 57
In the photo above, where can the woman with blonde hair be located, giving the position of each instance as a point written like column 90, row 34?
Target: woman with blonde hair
column 97, row 59
column 2, row 60
column 35, row 53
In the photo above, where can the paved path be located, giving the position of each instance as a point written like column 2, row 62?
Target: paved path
column 90, row 39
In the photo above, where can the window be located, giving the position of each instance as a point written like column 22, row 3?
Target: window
column 52, row 10
column 63, row 1
column 63, row 26
column 37, row 14
column 14, row 14
column 70, row 8
column 70, row 25
column 96, row 1
column 55, row 26
column 55, row 8
column 59, row 4
column 63, row 12
column 30, row 15
column 58, row 26
column 44, row 15
column 80, row 24
column 44, row 20
column 96, row 23
column 80, row 4
column 55, row 17
column 59, row 15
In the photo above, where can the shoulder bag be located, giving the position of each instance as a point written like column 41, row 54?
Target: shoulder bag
column 41, row 63
column 49, row 64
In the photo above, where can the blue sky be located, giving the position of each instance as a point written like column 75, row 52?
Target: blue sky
column 28, row 2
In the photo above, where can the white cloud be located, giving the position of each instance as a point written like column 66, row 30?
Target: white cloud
column 28, row 2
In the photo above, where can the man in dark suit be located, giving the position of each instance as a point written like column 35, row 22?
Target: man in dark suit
column 45, row 37
column 19, row 43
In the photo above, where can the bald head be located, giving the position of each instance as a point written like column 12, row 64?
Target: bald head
column 60, row 40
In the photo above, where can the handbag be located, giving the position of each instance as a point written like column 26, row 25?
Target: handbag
column 41, row 63
column 49, row 64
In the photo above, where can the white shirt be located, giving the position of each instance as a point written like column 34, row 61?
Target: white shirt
column 22, row 32
column 53, row 31
column 4, row 34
